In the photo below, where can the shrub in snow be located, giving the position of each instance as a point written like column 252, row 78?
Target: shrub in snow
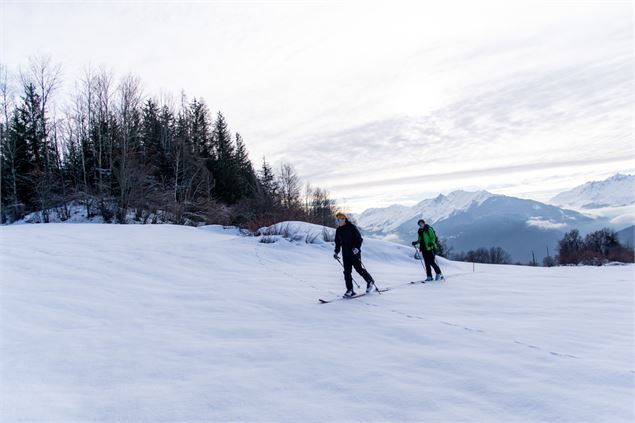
column 312, row 238
column 299, row 232
column 328, row 234
column 548, row 261
column 268, row 239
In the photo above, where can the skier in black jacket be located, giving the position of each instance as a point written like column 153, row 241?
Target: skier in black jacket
column 349, row 240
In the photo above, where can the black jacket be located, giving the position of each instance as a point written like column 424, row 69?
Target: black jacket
column 347, row 237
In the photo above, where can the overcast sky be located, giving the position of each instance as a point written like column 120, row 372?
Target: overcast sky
column 380, row 103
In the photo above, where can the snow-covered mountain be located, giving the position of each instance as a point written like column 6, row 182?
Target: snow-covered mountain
column 163, row 323
column 388, row 219
column 616, row 191
column 469, row 220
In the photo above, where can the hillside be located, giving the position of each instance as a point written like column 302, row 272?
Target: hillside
column 627, row 236
column 162, row 323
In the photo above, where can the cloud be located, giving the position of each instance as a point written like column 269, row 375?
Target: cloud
column 545, row 224
column 564, row 119
column 384, row 101
column 391, row 238
column 625, row 219
column 472, row 173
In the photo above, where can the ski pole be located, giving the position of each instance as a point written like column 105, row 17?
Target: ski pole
column 374, row 283
column 338, row 259
column 420, row 258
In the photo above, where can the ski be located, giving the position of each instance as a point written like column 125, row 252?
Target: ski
column 351, row 298
column 424, row 281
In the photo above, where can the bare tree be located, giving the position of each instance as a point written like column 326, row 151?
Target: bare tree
column 6, row 95
column 101, row 120
column 289, row 183
column 322, row 208
column 499, row 256
column 83, row 120
column 46, row 76
column 308, row 194
column 129, row 102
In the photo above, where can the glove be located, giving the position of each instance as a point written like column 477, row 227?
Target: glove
column 336, row 257
column 355, row 251
column 431, row 247
column 414, row 243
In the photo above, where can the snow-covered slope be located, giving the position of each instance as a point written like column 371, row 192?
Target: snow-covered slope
column 616, row 191
column 161, row 323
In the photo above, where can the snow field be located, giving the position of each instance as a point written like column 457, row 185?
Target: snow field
column 139, row 323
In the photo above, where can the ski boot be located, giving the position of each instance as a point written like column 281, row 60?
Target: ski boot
column 439, row 277
column 350, row 293
column 428, row 279
column 370, row 286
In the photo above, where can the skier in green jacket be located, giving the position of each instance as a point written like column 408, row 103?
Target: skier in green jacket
column 427, row 241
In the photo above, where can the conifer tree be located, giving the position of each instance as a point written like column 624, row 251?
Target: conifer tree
column 151, row 132
column 199, row 129
column 165, row 146
column 268, row 187
column 225, row 167
column 246, row 175
column 23, row 152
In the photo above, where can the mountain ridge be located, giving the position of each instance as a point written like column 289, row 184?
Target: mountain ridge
column 469, row 220
column 617, row 190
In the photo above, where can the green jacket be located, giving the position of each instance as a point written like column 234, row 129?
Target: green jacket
column 427, row 239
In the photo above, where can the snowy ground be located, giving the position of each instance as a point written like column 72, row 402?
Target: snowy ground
column 140, row 323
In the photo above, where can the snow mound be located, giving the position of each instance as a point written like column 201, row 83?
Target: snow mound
column 302, row 232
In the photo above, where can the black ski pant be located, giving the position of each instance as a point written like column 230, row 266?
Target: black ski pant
column 354, row 261
column 428, row 257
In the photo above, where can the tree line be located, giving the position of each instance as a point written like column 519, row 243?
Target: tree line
column 596, row 248
column 124, row 156
column 492, row 255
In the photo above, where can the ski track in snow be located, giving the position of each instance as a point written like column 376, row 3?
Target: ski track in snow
column 365, row 300
column 469, row 329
